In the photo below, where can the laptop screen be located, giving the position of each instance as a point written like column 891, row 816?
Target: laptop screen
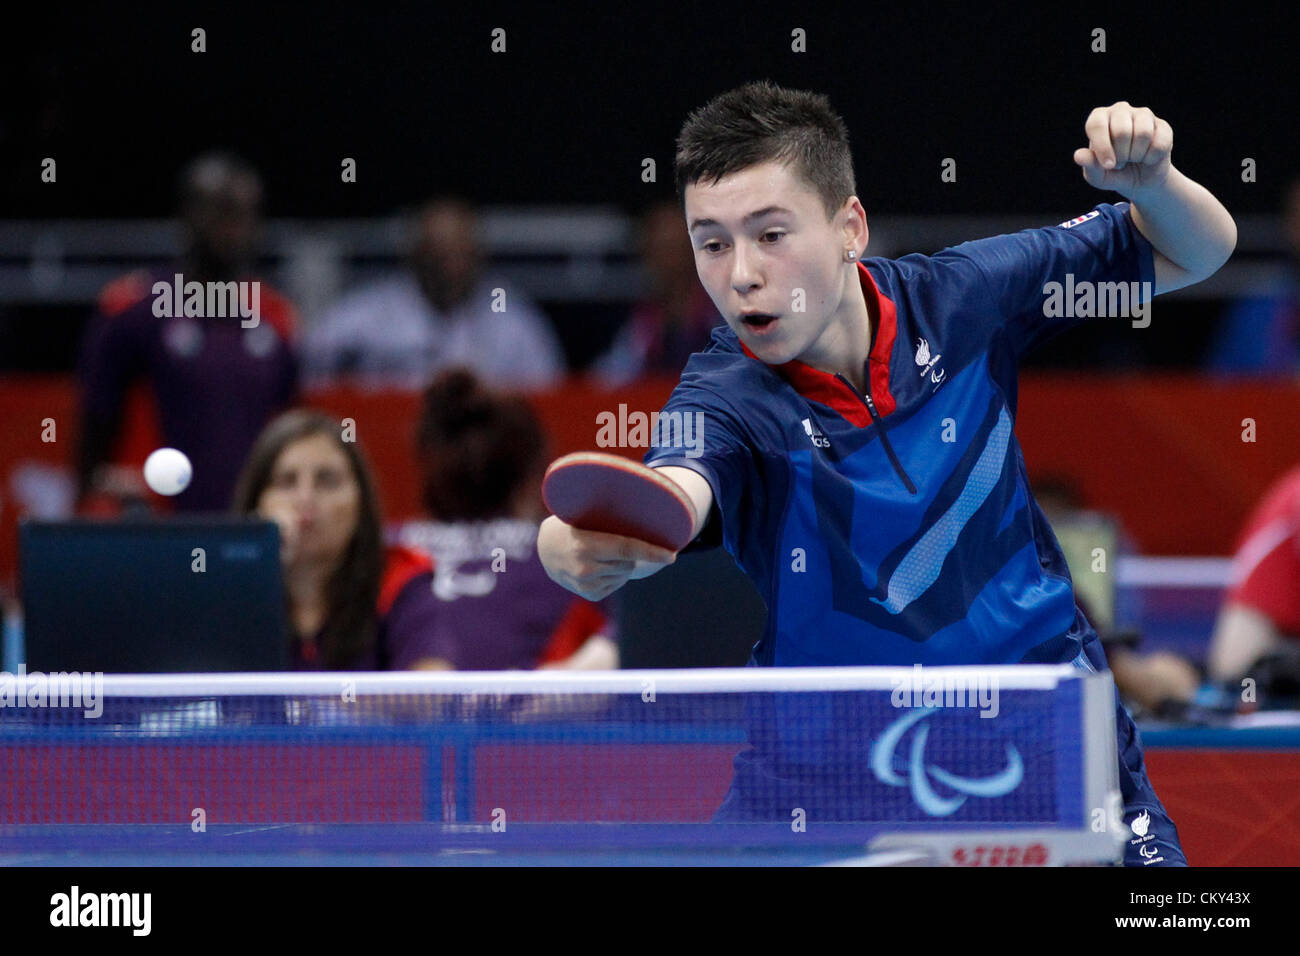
column 1090, row 543
column 191, row 594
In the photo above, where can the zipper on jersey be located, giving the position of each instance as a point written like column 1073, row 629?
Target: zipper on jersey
column 884, row 435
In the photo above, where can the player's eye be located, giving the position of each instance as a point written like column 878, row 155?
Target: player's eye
column 706, row 248
column 773, row 232
column 329, row 479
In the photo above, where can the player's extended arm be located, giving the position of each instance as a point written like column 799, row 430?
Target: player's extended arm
column 1129, row 151
column 697, row 488
column 594, row 565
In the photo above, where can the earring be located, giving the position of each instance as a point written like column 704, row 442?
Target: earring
column 850, row 255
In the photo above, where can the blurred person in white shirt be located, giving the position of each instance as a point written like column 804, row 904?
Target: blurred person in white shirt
column 443, row 310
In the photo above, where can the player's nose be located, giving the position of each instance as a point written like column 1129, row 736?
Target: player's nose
column 744, row 274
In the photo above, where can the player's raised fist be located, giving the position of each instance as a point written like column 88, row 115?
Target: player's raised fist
column 1128, row 149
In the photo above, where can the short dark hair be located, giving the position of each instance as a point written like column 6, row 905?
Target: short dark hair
column 762, row 122
column 477, row 448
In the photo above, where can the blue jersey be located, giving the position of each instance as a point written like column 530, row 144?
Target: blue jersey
column 898, row 527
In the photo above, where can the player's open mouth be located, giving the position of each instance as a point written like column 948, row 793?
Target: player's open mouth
column 759, row 322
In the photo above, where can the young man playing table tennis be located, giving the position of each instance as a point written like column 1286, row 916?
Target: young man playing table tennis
column 858, row 456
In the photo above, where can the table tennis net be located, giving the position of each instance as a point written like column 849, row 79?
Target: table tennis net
column 1003, row 746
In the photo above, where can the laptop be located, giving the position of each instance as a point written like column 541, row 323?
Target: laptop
column 128, row 596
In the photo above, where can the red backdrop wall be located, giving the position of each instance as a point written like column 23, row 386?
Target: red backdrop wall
column 1164, row 452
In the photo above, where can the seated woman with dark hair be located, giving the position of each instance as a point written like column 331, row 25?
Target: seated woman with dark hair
column 482, row 455
column 353, row 604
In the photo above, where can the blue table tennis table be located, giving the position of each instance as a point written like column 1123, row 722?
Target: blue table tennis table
column 440, row 844
column 595, row 770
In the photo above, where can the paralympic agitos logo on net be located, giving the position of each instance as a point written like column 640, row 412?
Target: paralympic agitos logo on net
column 884, row 759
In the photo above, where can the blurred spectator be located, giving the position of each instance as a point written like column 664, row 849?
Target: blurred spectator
column 215, row 381
column 1259, row 621
column 1160, row 683
column 1058, row 495
column 482, row 456
column 353, row 604
column 1260, row 335
column 442, row 311
column 676, row 315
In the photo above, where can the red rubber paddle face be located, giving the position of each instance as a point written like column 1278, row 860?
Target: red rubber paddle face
column 595, row 491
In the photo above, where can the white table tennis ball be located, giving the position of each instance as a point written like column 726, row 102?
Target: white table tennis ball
column 167, row 471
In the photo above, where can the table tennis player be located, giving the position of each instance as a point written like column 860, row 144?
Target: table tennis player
column 859, row 460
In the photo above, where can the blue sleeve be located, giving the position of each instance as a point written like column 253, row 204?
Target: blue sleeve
column 717, row 447
column 1102, row 247
column 113, row 356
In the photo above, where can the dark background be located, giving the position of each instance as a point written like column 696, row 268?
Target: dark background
column 586, row 91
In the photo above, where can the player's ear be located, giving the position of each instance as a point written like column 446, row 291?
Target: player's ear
column 853, row 225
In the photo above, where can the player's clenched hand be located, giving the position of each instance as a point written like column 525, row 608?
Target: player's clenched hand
column 593, row 564
column 1128, row 149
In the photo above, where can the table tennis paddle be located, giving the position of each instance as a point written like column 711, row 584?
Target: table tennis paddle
column 596, row 491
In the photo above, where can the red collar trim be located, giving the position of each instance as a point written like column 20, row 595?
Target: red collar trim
column 813, row 383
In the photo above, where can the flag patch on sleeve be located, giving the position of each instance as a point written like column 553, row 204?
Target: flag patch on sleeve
column 1078, row 219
